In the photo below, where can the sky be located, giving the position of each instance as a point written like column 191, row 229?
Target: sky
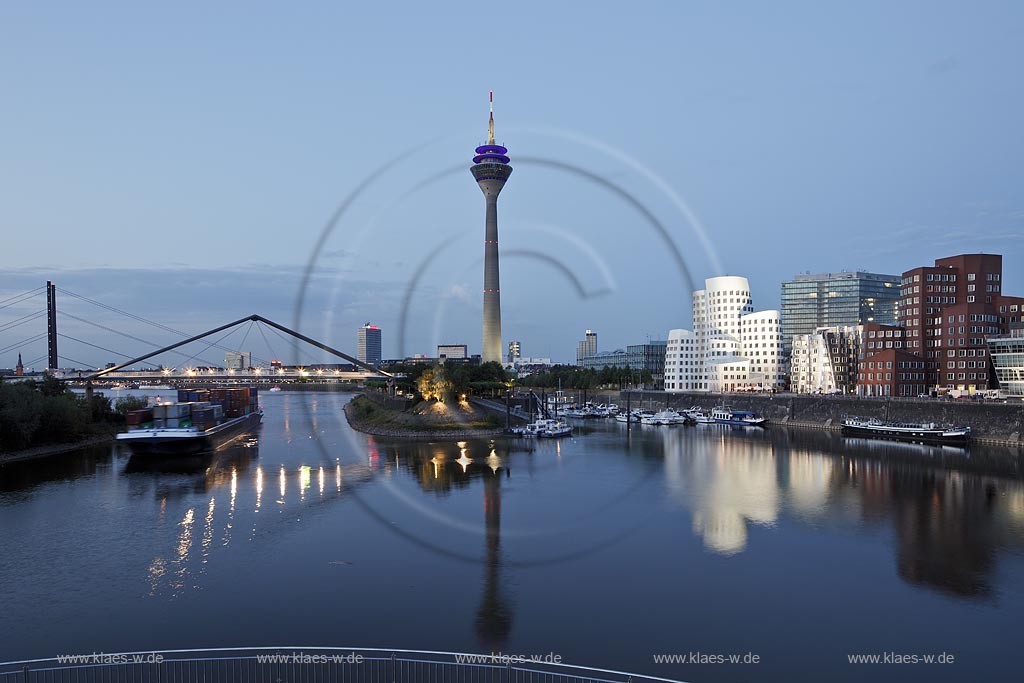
column 193, row 164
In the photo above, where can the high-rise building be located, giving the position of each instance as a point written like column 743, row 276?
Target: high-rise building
column 237, row 360
column 587, row 347
column 368, row 338
column 515, row 352
column 945, row 315
column 730, row 348
column 491, row 169
column 834, row 300
column 825, row 362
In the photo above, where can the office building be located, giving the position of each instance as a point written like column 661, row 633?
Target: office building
column 237, row 360
column 451, row 352
column 1007, row 353
column 587, row 347
column 846, row 299
column 515, row 351
column 368, row 344
column 946, row 314
column 731, row 347
column 825, row 362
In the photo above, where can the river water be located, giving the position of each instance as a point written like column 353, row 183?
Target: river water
column 608, row 549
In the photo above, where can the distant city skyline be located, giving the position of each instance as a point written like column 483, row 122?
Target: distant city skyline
column 191, row 186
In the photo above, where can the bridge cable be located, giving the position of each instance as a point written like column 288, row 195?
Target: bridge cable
column 125, row 334
column 246, row 336
column 30, row 340
column 139, row 318
column 116, row 353
column 76, row 362
column 293, row 343
column 21, row 321
column 24, row 296
column 217, row 341
column 259, row 326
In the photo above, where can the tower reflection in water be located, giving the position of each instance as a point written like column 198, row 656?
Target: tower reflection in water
column 948, row 523
column 442, row 467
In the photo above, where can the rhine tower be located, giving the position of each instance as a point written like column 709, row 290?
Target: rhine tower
column 491, row 169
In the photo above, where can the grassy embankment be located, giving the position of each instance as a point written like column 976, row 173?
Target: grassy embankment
column 425, row 417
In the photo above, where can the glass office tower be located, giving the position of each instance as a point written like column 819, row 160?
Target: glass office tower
column 836, row 300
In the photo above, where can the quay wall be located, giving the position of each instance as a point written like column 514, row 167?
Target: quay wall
column 990, row 422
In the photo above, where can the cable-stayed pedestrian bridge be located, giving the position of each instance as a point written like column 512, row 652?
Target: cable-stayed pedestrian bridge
column 186, row 360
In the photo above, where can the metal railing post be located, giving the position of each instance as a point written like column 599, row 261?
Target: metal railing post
column 394, row 667
column 508, row 670
column 24, row 673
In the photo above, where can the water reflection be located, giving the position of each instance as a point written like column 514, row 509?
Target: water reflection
column 437, row 471
column 948, row 523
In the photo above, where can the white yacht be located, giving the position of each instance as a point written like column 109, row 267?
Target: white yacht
column 664, row 418
column 545, row 428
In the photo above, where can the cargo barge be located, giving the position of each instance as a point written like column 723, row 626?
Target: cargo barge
column 198, row 422
column 924, row 433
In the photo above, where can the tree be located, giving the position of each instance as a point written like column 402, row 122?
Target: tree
column 127, row 404
column 19, row 414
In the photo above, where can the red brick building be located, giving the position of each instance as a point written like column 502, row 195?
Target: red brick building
column 946, row 312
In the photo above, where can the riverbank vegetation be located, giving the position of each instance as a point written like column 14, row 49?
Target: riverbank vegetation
column 423, row 418
column 49, row 413
column 575, row 377
column 448, row 382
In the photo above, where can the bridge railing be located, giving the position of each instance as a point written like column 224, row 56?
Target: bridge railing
column 306, row 664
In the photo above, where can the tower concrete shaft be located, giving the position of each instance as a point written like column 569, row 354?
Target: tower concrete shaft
column 492, row 279
column 491, row 169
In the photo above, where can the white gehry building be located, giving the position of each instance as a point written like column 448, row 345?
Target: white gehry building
column 731, row 347
column 826, row 362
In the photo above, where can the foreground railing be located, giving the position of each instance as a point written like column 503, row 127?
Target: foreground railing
column 305, row 664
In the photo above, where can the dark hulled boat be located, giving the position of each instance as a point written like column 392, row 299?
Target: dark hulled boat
column 198, row 422
column 924, row 432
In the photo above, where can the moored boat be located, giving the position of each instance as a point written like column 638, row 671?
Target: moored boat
column 738, row 418
column 635, row 416
column 929, row 432
column 664, row 418
column 546, row 428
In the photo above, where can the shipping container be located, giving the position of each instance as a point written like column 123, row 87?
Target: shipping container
column 160, row 410
column 137, row 417
column 178, row 410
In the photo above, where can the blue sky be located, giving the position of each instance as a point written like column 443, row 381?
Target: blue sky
column 181, row 162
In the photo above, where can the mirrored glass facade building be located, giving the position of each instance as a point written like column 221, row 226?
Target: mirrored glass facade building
column 836, row 300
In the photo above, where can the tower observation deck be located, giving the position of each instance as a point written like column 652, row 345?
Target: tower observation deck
column 491, row 169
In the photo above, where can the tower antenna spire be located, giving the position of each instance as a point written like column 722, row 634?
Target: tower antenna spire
column 490, row 123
